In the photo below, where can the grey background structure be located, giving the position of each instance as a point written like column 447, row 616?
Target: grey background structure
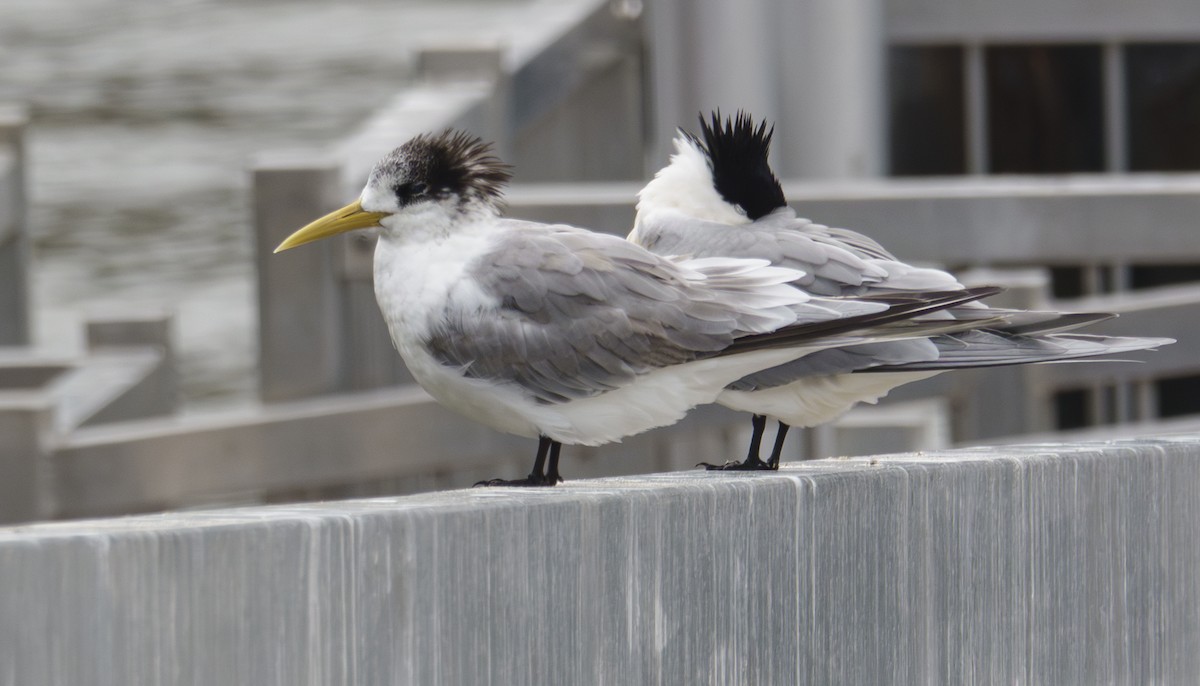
column 14, row 233
column 1036, row 564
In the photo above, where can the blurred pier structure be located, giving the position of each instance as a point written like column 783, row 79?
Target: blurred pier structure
column 585, row 111
column 14, row 229
column 126, row 372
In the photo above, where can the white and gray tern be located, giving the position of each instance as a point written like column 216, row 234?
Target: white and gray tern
column 570, row 336
column 719, row 197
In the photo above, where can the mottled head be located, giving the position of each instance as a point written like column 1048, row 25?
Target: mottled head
column 430, row 180
column 453, row 169
column 737, row 153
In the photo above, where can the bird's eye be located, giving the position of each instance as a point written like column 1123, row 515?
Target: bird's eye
column 408, row 192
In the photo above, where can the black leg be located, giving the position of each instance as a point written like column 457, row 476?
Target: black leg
column 759, row 422
column 780, row 435
column 552, row 475
column 539, row 476
column 752, row 462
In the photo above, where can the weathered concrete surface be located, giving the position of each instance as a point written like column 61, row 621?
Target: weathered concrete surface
column 1022, row 565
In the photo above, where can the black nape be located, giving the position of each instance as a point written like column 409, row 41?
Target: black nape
column 737, row 154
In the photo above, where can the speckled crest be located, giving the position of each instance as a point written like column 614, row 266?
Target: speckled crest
column 452, row 163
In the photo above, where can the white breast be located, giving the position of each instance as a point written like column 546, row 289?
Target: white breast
column 818, row 399
column 414, row 283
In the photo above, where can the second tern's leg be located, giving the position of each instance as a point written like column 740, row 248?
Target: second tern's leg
column 552, row 474
column 540, row 476
column 780, row 435
column 752, row 462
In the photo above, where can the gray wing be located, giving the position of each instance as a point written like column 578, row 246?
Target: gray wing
column 861, row 245
column 837, row 262
column 839, row 361
column 830, row 269
column 898, row 275
column 582, row 313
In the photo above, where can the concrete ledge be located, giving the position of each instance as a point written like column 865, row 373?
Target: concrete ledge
column 1036, row 564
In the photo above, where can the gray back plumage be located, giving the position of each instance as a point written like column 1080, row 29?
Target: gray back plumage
column 830, row 269
column 581, row 313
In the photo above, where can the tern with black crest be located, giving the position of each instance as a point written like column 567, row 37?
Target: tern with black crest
column 565, row 335
column 718, row 197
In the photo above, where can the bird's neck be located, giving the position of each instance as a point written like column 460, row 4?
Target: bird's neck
column 686, row 185
column 437, row 223
column 416, row 273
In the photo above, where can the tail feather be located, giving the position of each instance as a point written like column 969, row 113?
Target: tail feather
column 1000, row 348
column 907, row 308
column 1029, row 322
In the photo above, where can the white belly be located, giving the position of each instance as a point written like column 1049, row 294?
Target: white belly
column 656, row 399
column 819, row 399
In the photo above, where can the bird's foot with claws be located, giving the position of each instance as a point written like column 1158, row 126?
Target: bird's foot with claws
column 747, row 465
column 531, row 480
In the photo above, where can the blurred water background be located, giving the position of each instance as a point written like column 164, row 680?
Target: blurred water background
column 145, row 116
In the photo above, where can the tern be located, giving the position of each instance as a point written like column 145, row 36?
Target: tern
column 718, row 196
column 566, row 335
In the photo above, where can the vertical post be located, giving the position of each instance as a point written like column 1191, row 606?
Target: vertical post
column 1098, row 404
column 1123, row 410
column 14, row 230
column 298, row 293
column 1116, row 149
column 473, row 63
column 669, row 105
column 1090, row 279
column 833, row 102
column 1121, row 276
column 738, row 70
column 1145, row 400
column 24, row 424
column 975, row 73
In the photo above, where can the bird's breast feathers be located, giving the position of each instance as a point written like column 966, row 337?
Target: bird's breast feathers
column 416, row 281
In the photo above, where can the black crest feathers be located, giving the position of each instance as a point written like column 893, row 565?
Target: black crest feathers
column 737, row 154
column 450, row 163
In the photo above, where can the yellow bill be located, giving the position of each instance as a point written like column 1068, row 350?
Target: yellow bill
column 350, row 217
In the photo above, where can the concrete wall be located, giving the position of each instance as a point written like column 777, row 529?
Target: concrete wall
column 1037, row 565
